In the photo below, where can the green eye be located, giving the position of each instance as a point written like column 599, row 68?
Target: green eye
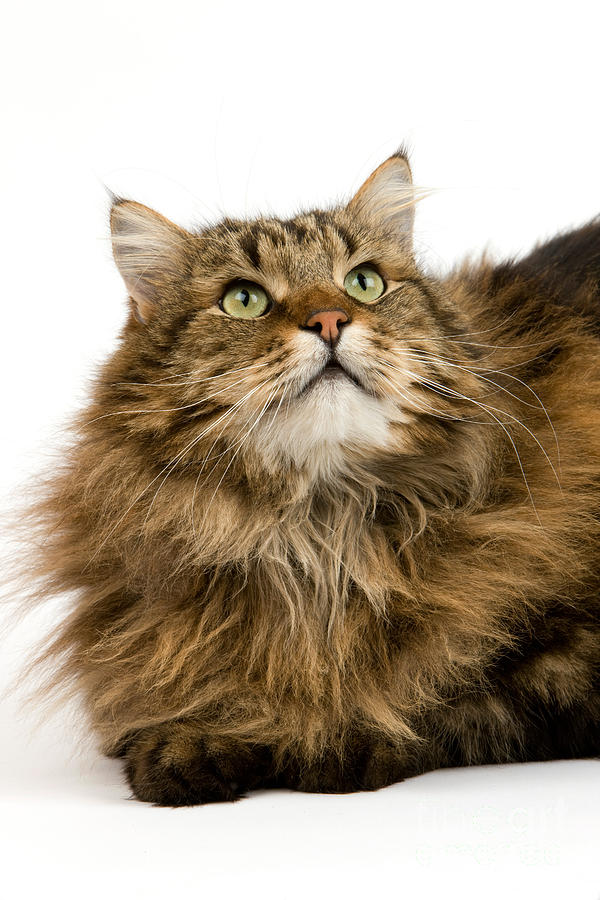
column 364, row 284
column 244, row 300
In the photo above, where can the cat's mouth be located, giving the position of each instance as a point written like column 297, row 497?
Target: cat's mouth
column 333, row 370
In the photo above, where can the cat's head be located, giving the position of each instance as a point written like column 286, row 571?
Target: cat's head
column 299, row 341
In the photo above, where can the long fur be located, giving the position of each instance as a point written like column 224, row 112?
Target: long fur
column 409, row 581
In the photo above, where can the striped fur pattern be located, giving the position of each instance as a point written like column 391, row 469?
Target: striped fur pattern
column 331, row 582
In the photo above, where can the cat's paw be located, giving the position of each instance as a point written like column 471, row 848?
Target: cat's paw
column 175, row 765
column 380, row 764
column 367, row 763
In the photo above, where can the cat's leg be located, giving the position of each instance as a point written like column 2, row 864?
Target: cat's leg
column 568, row 733
column 506, row 726
column 175, row 764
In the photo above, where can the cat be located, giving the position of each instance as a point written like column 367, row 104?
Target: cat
column 329, row 521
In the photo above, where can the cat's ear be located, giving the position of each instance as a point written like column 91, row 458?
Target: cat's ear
column 388, row 197
column 149, row 251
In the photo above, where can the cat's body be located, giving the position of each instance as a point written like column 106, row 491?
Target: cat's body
column 291, row 574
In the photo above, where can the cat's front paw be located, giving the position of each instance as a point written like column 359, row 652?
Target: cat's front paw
column 367, row 762
column 175, row 765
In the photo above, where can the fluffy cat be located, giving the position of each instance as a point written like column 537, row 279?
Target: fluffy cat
column 330, row 522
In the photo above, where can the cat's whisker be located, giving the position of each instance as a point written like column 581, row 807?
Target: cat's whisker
column 174, row 463
column 515, row 419
column 425, row 351
column 505, row 390
column 519, row 365
column 162, row 381
column 238, row 440
column 229, row 464
column 125, row 412
column 419, row 380
column 503, row 426
column 476, row 368
column 198, row 438
column 427, row 407
column 463, row 334
column 443, row 362
column 476, row 374
column 501, row 346
column 276, row 413
column 494, row 347
column 489, row 410
column 208, row 457
column 500, row 387
column 236, row 407
column 545, row 411
column 177, row 458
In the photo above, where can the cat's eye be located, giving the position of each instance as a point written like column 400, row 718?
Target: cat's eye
column 244, row 300
column 364, row 283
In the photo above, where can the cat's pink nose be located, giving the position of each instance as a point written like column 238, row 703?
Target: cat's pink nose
column 328, row 323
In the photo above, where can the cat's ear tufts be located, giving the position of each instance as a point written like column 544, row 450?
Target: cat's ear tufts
column 388, row 197
column 149, row 251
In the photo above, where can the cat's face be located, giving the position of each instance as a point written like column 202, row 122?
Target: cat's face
column 297, row 340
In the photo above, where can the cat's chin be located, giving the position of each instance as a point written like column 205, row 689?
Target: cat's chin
column 322, row 426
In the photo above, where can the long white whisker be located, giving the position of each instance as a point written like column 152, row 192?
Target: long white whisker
column 245, row 438
column 125, row 412
column 502, row 388
column 235, row 407
column 427, row 407
column 228, row 466
column 228, row 449
column 541, row 407
column 223, row 418
column 453, row 392
column 449, row 358
column 208, row 456
column 488, row 409
column 463, row 334
column 177, row 458
column 276, row 413
column 509, row 436
column 442, row 389
column 501, row 346
column 476, row 374
column 162, row 381
column 241, row 440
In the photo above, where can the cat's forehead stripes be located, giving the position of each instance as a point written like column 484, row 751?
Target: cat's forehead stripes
column 295, row 250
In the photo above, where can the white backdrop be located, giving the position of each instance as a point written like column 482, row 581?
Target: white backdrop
column 198, row 108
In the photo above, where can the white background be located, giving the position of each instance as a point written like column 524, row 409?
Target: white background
column 203, row 107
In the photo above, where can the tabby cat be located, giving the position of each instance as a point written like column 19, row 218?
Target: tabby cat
column 330, row 522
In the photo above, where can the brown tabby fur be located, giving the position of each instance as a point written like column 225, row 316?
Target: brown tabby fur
column 340, row 618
